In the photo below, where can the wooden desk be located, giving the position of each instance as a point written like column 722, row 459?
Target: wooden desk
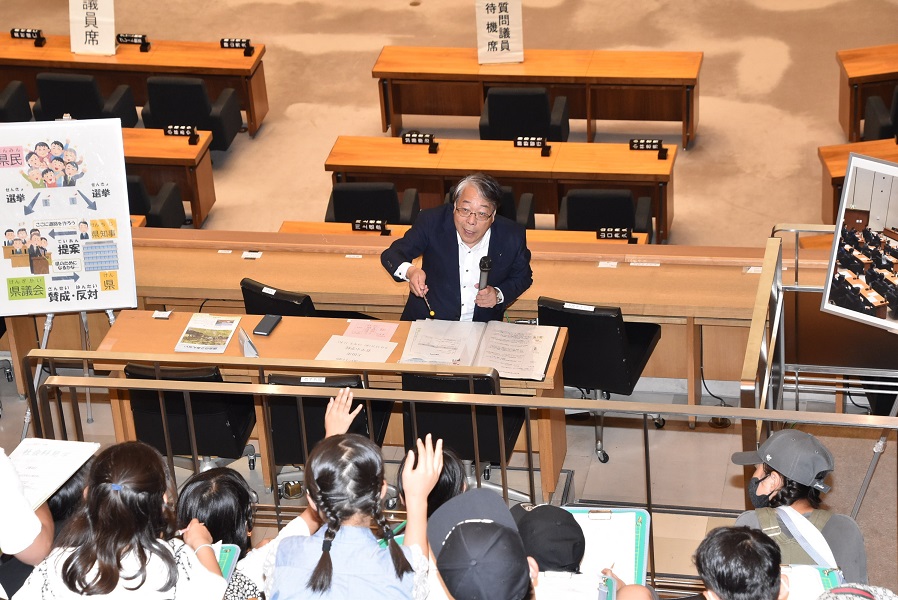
column 834, row 163
column 533, row 235
column 158, row 158
column 301, row 338
column 700, row 295
column 864, row 72
column 219, row 68
column 549, row 178
column 599, row 84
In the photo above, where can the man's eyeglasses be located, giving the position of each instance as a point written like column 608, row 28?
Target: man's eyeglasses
column 467, row 212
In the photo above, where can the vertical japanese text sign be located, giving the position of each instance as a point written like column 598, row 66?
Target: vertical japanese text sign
column 64, row 217
column 92, row 26
column 500, row 31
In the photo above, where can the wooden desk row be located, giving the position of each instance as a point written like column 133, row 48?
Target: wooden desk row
column 701, row 296
column 158, row 158
column 533, row 235
column 864, row 72
column 219, row 68
column 300, row 339
column 570, row 166
column 599, row 84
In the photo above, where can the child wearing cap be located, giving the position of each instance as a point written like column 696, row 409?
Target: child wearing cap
column 785, row 491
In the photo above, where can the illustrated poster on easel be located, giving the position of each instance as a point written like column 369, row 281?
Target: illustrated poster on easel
column 65, row 217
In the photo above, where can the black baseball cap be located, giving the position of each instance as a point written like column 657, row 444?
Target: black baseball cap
column 551, row 535
column 478, row 550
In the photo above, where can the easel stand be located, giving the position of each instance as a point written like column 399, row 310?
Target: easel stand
column 85, row 345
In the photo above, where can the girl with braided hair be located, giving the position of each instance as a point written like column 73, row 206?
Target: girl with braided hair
column 345, row 485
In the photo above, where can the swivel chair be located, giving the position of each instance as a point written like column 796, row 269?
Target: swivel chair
column 353, row 201
column 261, row 299
column 79, row 96
column 453, row 424
column 522, row 211
column 222, row 422
column 297, row 424
column 14, row 106
column 590, row 210
column 185, row 101
column 512, row 112
column 163, row 209
column 880, row 122
column 603, row 353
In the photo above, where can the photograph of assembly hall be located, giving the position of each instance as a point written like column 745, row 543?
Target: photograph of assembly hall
column 864, row 262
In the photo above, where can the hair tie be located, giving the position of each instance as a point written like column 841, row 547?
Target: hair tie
column 116, row 487
column 326, row 546
column 388, row 534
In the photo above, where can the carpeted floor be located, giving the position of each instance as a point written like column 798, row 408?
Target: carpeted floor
column 768, row 99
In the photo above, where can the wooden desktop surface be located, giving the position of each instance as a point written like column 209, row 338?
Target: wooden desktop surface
column 834, row 163
column 570, row 166
column 864, row 72
column 138, row 221
column 219, row 67
column 301, row 338
column 328, row 230
column 158, row 158
column 599, row 84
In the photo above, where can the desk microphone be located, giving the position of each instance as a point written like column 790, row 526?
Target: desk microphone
column 486, row 263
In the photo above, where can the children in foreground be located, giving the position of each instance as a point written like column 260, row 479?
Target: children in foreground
column 121, row 541
column 345, row 485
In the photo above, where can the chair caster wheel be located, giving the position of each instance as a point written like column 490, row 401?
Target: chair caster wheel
column 602, row 456
column 660, row 422
column 251, row 460
column 486, row 473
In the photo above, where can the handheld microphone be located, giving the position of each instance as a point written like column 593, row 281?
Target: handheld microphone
column 486, row 263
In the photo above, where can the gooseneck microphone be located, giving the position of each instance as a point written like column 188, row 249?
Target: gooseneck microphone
column 486, row 263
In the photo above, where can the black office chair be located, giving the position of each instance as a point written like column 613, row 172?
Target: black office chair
column 291, row 447
column 376, row 200
column 185, row 101
column 79, row 96
column 522, row 211
column 222, row 422
column 452, row 424
column 261, row 299
column 164, row 209
column 880, row 122
column 590, row 210
column 14, row 106
column 512, row 112
column 603, row 353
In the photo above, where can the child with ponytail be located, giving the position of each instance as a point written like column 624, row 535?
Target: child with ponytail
column 345, row 484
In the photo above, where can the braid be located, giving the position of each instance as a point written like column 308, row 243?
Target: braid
column 320, row 580
column 400, row 562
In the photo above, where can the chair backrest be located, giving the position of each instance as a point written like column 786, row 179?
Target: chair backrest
column 453, row 423
column 179, row 101
column 365, row 201
column 222, row 422
column 77, row 95
column 589, row 210
column 518, row 111
column 290, row 445
column 260, row 299
column 138, row 197
column 597, row 354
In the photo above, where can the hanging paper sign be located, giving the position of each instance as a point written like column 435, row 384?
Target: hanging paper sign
column 92, row 26
column 500, row 32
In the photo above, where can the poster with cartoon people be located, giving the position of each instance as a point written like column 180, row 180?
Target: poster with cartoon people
column 67, row 236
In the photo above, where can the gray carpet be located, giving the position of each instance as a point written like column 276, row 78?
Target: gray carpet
column 768, row 99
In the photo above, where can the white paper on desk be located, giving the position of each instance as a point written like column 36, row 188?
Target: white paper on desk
column 442, row 342
column 370, row 330
column 44, row 465
column 207, row 333
column 600, row 554
column 356, row 350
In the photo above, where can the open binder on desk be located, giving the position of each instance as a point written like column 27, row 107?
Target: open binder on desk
column 516, row 351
